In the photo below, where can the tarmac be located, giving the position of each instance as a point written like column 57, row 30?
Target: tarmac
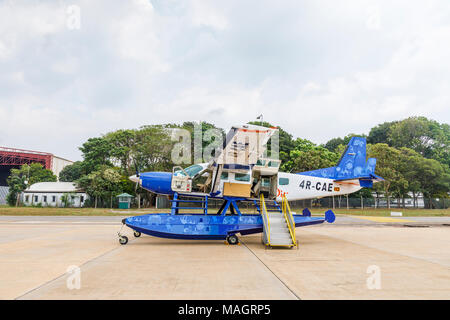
column 70, row 257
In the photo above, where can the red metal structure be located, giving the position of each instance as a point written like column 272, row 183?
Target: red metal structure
column 18, row 157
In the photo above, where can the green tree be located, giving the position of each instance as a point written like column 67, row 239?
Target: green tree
column 388, row 167
column 96, row 153
column 67, row 199
column 307, row 156
column 101, row 184
column 380, row 133
column 152, row 150
column 22, row 178
column 72, row 172
column 427, row 137
column 335, row 143
column 409, row 165
column 122, row 143
column 16, row 186
column 434, row 180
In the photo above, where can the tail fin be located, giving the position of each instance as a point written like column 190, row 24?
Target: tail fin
column 351, row 165
column 353, row 160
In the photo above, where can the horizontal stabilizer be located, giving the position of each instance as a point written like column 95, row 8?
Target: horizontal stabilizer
column 329, row 216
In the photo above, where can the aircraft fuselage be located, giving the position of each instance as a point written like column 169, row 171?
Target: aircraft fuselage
column 293, row 186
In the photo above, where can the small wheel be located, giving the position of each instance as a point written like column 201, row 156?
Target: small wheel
column 137, row 234
column 232, row 239
column 123, row 240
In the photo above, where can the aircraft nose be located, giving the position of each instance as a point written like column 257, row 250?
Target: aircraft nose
column 134, row 178
column 157, row 182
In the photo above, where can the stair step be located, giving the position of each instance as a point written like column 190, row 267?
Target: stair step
column 281, row 243
column 278, row 228
column 276, row 219
column 280, row 234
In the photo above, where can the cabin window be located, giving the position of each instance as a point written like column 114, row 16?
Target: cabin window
column 283, row 181
column 273, row 164
column 265, row 182
column 242, row 177
column 224, row 176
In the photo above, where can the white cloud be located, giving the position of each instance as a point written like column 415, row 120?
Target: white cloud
column 319, row 69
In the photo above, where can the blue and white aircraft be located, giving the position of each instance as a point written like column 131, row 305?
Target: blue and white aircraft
column 239, row 174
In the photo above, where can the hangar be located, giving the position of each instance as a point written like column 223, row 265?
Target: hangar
column 11, row 158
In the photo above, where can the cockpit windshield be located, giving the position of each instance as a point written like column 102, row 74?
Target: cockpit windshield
column 191, row 171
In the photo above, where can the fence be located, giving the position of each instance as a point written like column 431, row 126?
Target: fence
column 344, row 202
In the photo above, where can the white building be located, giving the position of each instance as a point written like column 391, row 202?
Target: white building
column 58, row 165
column 53, row 193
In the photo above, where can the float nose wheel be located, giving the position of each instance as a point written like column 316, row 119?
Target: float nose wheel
column 232, row 239
column 123, row 240
column 137, row 234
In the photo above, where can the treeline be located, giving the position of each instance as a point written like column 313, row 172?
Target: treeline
column 413, row 155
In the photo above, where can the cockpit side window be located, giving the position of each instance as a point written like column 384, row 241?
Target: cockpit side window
column 283, row 181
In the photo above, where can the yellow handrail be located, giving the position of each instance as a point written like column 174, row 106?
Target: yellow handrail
column 266, row 215
column 289, row 219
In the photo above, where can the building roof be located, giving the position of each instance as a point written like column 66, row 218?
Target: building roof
column 125, row 195
column 53, row 187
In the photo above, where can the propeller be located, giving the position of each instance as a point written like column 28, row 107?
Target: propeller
column 137, row 175
column 137, row 180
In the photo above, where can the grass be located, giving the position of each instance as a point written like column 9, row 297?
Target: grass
column 36, row 211
column 387, row 212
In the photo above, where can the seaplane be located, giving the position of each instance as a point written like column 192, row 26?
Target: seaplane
column 241, row 173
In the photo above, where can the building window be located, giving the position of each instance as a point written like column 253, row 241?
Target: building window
column 283, row 181
column 53, row 198
column 81, row 198
column 27, row 198
column 44, row 199
column 224, row 176
column 36, row 198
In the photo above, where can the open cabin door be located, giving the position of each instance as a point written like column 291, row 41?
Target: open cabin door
column 232, row 168
column 230, row 173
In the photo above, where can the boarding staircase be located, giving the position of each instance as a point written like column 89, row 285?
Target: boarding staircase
column 278, row 222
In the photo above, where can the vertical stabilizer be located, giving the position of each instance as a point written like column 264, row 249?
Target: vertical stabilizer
column 353, row 160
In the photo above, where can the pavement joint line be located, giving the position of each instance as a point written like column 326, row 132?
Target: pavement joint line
column 383, row 250
column 382, row 219
column 279, row 279
column 65, row 273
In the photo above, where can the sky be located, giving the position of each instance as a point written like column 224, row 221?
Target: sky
column 71, row 70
